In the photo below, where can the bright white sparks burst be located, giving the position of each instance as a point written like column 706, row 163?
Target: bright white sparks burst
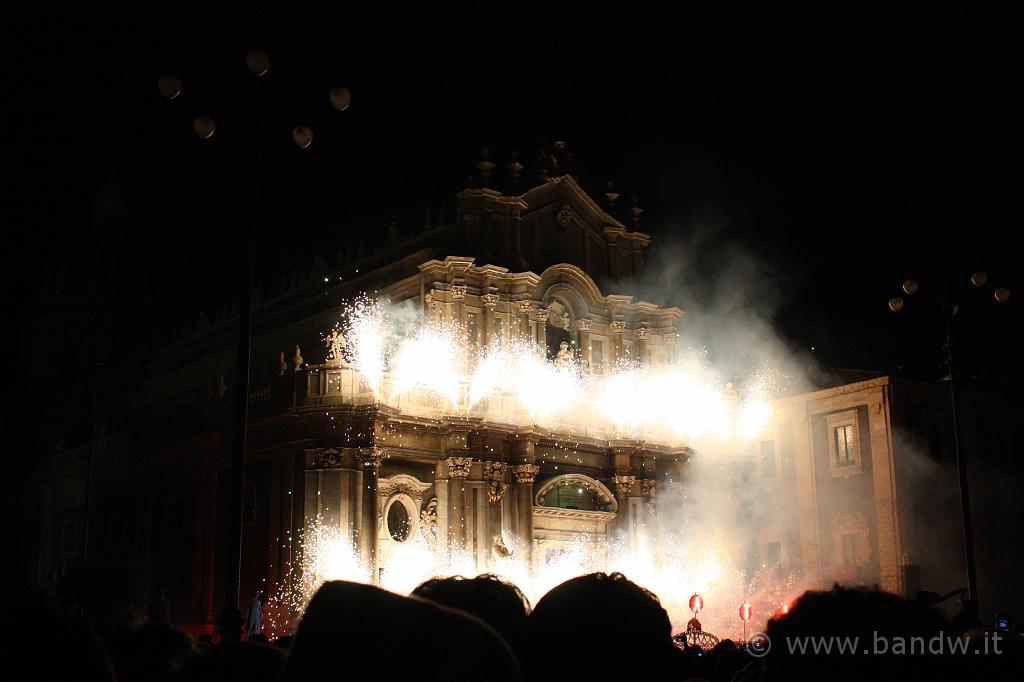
column 436, row 369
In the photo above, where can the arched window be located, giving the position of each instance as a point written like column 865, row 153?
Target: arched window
column 575, row 491
column 399, row 526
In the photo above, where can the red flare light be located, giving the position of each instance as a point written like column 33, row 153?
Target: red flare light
column 746, row 610
column 696, row 604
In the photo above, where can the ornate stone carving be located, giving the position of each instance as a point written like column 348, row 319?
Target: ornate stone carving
column 564, row 217
column 583, row 325
column 389, row 489
column 525, row 305
column 617, row 326
column 430, row 300
column 542, row 315
column 329, row 459
column 458, row 467
column 648, row 487
column 494, row 474
column 458, row 291
column 297, row 359
column 371, row 457
column 670, row 338
column 643, row 333
column 498, row 550
column 525, row 473
column 428, row 521
column 623, row 484
column 490, row 300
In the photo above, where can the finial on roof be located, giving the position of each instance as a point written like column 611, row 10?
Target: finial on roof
column 636, row 211
column 485, row 166
column 611, row 195
column 514, row 169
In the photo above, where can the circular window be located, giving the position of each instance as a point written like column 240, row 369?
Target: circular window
column 398, row 521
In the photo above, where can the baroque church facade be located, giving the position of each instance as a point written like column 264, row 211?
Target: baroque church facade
column 320, row 446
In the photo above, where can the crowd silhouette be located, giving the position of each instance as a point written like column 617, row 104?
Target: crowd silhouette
column 593, row 627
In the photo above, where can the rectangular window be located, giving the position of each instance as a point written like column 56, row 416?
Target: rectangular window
column 850, row 549
column 597, row 356
column 767, row 459
column 846, row 453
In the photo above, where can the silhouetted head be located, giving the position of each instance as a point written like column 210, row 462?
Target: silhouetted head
column 879, row 622
column 246, row 662
column 605, row 626
column 153, row 651
column 349, row 626
column 496, row 602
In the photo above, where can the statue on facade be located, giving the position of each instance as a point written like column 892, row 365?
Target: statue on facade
column 255, row 620
column 499, row 550
column 334, row 342
column 563, row 358
column 297, row 359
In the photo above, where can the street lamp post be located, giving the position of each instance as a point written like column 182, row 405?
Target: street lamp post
column 940, row 287
column 230, row 621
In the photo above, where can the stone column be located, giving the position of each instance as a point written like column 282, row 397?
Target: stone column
column 649, row 489
column 494, row 477
column 443, row 505
column 458, row 292
column 458, row 472
column 369, row 461
column 525, row 475
column 617, row 327
column 670, row 339
column 623, row 484
column 524, row 319
column 583, row 340
column 490, row 302
column 642, row 335
column 542, row 332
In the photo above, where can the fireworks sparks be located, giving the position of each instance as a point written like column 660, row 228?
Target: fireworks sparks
column 432, row 369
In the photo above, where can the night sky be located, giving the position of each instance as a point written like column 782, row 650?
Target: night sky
column 839, row 156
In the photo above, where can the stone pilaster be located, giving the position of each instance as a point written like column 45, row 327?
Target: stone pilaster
column 617, row 327
column 490, row 302
column 523, row 312
column 369, row 462
column 622, row 484
column 525, row 475
column 458, row 472
column 583, row 340
column 642, row 335
column 542, row 332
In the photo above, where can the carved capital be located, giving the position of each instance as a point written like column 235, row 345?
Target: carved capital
column 583, row 325
column 490, row 300
column 458, row 291
column 525, row 305
column 648, row 487
column 670, row 338
column 643, row 333
column 525, row 473
column 458, row 467
column 542, row 315
column 370, row 457
column 494, row 473
column 617, row 326
column 623, row 484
